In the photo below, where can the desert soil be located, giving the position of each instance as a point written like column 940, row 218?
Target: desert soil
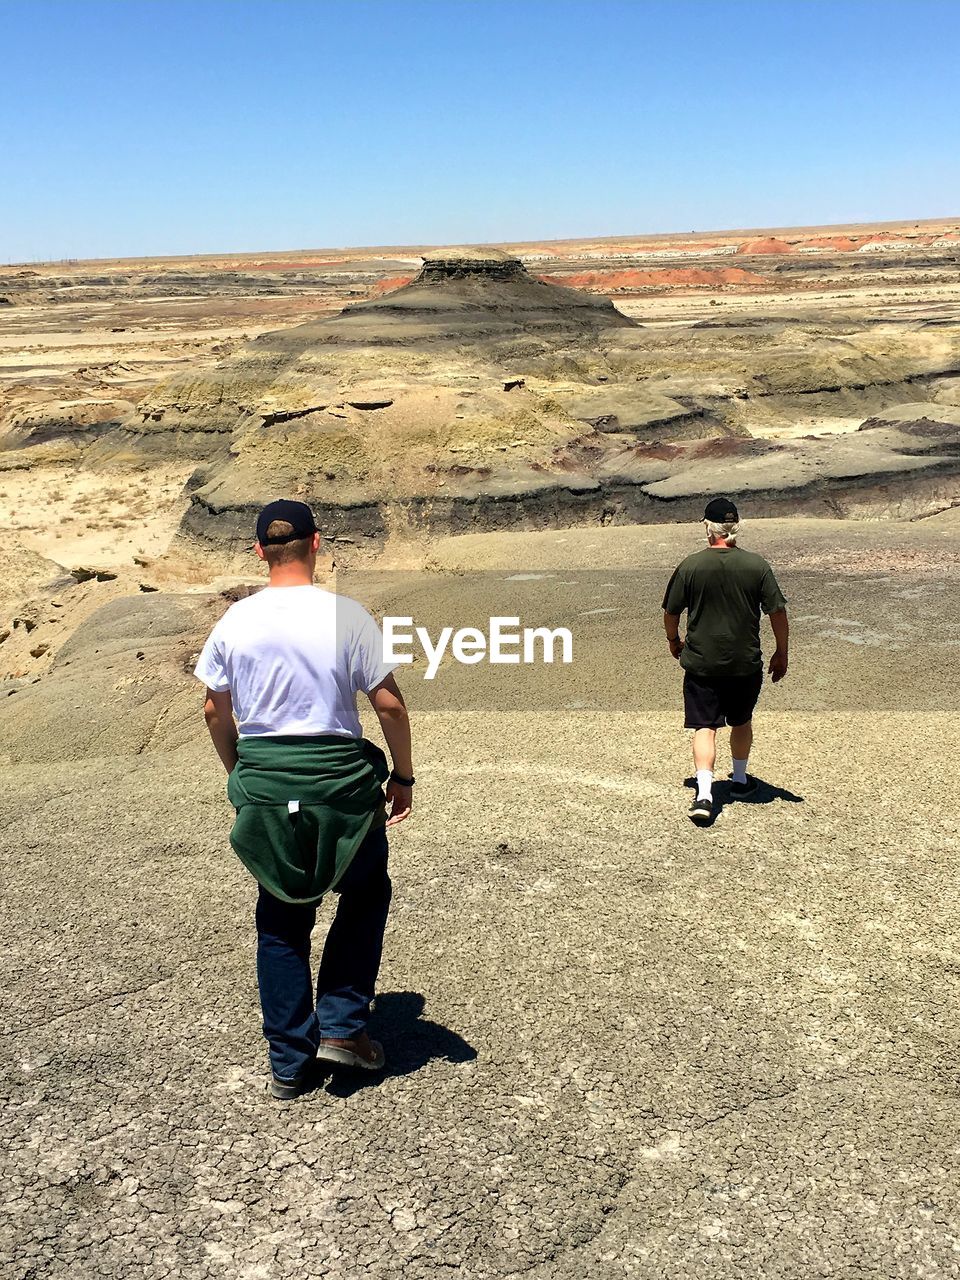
column 618, row 1045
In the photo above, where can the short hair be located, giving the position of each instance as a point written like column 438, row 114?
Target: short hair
column 285, row 552
column 727, row 531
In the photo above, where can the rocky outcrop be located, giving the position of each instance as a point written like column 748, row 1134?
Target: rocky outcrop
column 478, row 395
column 480, row 293
column 638, row 409
column 72, row 424
column 443, row 265
column 389, row 408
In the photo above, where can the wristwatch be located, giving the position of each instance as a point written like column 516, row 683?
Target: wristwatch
column 400, row 780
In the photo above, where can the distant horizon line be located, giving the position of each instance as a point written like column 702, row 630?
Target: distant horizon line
column 518, row 245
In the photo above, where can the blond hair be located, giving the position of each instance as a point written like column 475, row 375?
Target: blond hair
column 728, row 531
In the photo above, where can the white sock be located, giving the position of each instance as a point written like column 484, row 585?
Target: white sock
column 739, row 770
column 704, row 784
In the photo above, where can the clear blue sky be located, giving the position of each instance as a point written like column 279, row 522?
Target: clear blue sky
column 133, row 127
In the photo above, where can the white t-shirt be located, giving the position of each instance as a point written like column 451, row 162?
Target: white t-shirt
column 293, row 659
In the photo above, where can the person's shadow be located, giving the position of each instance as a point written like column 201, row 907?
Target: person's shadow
column 765, row 793
column 409, row 1040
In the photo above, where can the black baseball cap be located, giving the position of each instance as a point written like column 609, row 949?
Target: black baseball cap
column 296, row 514
column 721, row 511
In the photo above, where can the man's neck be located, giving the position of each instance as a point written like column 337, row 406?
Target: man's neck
column 291, row 575
column 721, row 544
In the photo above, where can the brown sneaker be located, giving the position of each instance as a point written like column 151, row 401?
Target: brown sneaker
column 360, row 1052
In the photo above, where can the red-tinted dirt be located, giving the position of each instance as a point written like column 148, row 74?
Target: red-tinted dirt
column 659, row 450
column 388, row 285
column 770, row 244
column 842, row 244
column 663, row 277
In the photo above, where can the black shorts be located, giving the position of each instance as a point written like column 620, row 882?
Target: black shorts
column 712, row 703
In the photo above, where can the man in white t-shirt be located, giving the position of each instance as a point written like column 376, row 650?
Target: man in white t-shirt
column 282, row 669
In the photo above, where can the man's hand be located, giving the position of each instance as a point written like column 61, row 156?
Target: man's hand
column 400, row 802
column 671, row 625
column 778, row 665
column 387, row 701
column 218, row 713
column 781, row 633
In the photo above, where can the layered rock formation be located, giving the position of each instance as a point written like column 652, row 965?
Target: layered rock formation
column 449, row 403
column 477, row 396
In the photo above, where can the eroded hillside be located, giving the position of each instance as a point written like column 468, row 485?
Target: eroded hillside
column 149, row 408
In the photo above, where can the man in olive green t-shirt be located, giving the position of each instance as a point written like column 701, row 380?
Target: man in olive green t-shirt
column 723, row 590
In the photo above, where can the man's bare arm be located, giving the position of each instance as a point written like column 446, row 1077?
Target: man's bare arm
column 781, row 633
column 218, row 713
column 671, row 625
column 387, row 701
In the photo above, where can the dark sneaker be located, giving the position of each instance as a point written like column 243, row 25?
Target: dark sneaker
column 744, row 790
column 290, row 1087
column 701, row 812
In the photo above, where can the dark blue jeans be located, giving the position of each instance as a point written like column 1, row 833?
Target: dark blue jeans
column 293, row 1021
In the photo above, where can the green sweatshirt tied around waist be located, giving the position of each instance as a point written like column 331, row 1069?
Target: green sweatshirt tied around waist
column 304, row 806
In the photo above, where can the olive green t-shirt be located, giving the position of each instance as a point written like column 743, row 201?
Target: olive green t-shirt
column 723, row 590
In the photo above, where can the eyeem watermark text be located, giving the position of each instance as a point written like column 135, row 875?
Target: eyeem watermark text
column 504, row 643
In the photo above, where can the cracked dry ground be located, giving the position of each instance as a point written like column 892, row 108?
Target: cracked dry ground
column 619, row 1046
